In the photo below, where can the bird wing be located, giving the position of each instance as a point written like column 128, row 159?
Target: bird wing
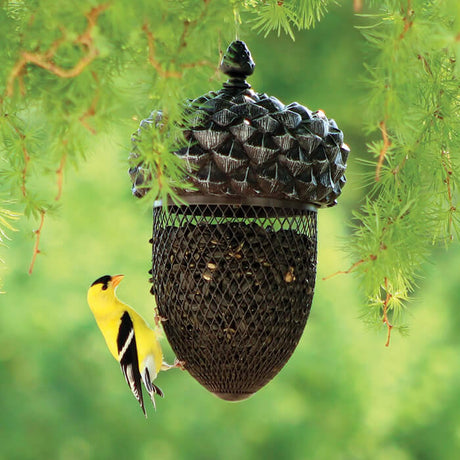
column 127, row 355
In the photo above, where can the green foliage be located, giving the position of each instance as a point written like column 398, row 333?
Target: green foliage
column 6, row 218
column 162, row 173
column 414, row 105
column 275, row 15
column 73, row 75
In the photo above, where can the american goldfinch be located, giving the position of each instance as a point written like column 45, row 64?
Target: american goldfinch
column 129, row 338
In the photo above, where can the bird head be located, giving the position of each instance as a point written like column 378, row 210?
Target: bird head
column 105, row 286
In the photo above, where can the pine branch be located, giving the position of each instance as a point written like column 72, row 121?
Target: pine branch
column 277, row 16
column 352, row 267
column 38, row 233
column 385, row 319
column 60, row 176
column 386, row 145
column 6, row 218
column 414, row 102
column 45, row 59
column 91, row 111
column 357, row 5
column 152, row 59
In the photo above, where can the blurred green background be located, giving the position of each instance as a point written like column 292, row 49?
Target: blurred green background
column 343, row 395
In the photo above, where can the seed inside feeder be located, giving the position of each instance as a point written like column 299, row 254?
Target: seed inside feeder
column 236, row 298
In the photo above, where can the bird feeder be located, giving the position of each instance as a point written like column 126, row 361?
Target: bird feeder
column 233, row 269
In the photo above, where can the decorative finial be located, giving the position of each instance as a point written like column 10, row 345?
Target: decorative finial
column 237, row 63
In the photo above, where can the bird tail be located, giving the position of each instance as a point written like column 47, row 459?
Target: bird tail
column 151, row 388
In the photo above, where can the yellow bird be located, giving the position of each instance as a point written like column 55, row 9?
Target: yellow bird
column 130, row 339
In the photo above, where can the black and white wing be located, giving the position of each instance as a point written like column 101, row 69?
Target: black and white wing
column 127, row 355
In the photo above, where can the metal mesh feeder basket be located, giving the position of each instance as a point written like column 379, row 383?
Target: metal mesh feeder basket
column 235, row 285
column 233, row 269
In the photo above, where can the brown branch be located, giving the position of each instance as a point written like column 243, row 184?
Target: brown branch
column 448, row 168
column 370, row 257
column 425, row 63
column 159, row 168
column 25, row 154
column 152, row 59
column 356, row 264
column 408, row 22
column 407, row 19
column 187, row 25
column 385, row 313
column 38, row 233
column 447, row 165
column 45, row 59
column 190, row 24
column 92, row 16
column 191, row 65
column 357, row 5
column 92, row 108
column 60, row 176
column 26, row 167
column 383, row 151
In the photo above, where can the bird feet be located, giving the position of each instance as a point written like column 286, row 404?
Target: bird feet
column 177, row 364
column 159, row 319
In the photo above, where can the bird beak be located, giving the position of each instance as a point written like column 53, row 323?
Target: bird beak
column 116, row 280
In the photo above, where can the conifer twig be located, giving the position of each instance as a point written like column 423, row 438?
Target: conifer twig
column 182, row 43
column 190, row 24
column 152, row 58
column 426, row 66
column 60, row 175
column 38, row 233
column 447, row 165
column 357, row 6
column 383, row 151
column 26, row 156
column 385, row 313
column 352, row 267
column 26, row 167
column 92, row 108
column 45, row 59
column 407, row 19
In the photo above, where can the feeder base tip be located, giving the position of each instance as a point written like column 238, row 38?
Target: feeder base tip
column 233, row 397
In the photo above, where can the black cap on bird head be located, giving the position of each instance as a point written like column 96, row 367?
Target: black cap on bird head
column 106, row 279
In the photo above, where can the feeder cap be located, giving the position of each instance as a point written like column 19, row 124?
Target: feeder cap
column 240, row 144
column 237, row 61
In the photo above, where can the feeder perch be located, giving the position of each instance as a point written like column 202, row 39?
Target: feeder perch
column 234, row 269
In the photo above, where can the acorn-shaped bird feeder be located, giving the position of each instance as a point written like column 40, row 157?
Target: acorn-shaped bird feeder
column 234, row 269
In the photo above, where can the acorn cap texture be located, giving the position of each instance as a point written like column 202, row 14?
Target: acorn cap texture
column 240, row 143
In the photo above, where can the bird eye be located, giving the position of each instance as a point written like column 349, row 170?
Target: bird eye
column 104, row 287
